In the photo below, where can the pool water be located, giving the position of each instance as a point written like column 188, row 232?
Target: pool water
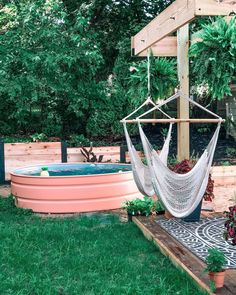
column 75, row 169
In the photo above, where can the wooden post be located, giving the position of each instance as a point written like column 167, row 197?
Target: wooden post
column 2, row 162
column 123, row 150
column 182, row 104
column 63, row 152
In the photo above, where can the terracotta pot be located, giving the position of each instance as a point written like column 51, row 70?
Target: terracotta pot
column 168, row 215
column 218, row 278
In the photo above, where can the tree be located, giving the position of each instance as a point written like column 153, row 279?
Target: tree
column 48, row 67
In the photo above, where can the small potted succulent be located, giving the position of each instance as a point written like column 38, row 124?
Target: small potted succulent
column 230, row 225
column 215, row 262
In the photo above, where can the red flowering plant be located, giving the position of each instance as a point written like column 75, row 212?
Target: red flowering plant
column 230, row 225
column 184, row 167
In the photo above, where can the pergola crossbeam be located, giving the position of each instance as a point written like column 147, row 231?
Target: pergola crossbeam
column 166, row 47
column 177, row 15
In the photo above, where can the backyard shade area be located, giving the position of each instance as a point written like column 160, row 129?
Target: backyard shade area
column 91, row 254
column 70, row 71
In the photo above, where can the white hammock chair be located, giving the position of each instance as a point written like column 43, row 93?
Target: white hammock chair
column 141, row 171
column 180, row 193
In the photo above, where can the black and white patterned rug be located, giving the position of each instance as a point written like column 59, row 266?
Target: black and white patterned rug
column 198, row 237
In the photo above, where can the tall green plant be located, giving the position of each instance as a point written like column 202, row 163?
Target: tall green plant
column 48, row 67
column 163, row 79
column 214, row 56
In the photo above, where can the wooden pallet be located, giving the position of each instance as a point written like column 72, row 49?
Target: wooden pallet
column 182, row 257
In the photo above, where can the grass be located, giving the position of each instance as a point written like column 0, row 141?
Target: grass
column 81, row 255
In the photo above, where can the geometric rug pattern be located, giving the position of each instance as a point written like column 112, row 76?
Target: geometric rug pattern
column 198, row 237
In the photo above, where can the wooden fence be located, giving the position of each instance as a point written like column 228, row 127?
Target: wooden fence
column 14, row 155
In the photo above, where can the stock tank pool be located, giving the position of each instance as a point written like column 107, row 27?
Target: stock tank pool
column 72, row 188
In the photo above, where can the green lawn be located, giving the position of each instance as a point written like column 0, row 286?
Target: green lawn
column 82, row 255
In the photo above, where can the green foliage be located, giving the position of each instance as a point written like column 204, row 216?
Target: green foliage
column 78, row 140
column 7, row 206
column 215, row 260
column 215, row 57
column 107, row 111
column 163, row 79
column 159, row 207
column 48, row 67
column 143, row 206
column 38, row 137
column 65, row 65
column 231, row 152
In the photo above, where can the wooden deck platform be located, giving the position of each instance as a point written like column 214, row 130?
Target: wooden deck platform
column 182, row 257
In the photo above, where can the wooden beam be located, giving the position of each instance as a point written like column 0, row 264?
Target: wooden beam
column 173, row 17
column 166, row 47
column 173, row 120
column 214, row 7
column 177, row 15
column 183, row 146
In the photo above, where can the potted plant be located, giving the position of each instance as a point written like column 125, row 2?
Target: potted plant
column 143, row 207
column 214, row 57
column 215, row 262
column 230, row 225
column 131, row 209
column 159, row 208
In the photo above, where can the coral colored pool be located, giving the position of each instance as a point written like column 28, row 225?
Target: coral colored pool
column 73, row 188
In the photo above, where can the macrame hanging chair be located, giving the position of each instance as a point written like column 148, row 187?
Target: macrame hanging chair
column 180, row 193
column 141, row 171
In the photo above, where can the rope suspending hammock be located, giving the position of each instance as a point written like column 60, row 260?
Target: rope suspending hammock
column 180, row 193
column 141, row 171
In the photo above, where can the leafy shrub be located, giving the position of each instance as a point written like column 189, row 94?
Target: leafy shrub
column 48, row 67
column 231, row 152
column 107, row 111
column 143, row 206
column 230, row 225
column 76, row 140
column 159, row 207
column 38, row 137
column 215, row 260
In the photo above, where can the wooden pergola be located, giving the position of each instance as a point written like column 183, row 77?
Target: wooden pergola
column 157, row 36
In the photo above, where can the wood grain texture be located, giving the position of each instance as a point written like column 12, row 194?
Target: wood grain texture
column 214, row 7
column 183, row 141
column 27, row 154
column 175, row 16
column 182, row 257
column 166, row 47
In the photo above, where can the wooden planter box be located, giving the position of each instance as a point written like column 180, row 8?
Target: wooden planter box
column 26, row 154
column 224, row 175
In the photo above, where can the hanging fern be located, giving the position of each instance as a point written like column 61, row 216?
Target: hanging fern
column 214, row 57
column 163, row 78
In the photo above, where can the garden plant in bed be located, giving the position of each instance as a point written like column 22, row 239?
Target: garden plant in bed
column 87, row 254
